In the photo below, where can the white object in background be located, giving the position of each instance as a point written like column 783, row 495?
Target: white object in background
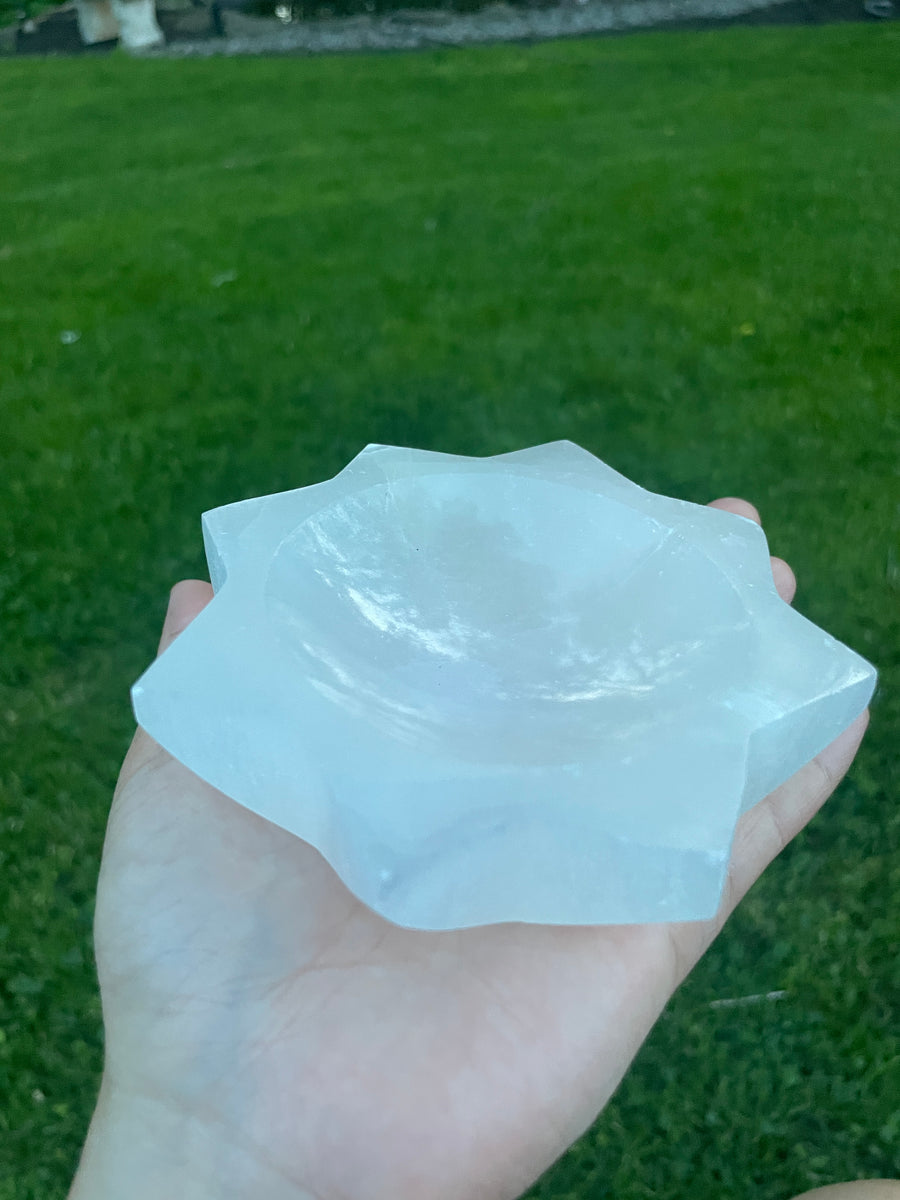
column 518, row 688
column 96, row 21
column 133, row 22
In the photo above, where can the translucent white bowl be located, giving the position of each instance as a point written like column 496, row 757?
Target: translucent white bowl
column 517, row 688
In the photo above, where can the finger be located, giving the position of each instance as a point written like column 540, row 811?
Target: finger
column 742, row 508
column 765, row 830
column 186, row 600
column 785, row 579
column 761, row 835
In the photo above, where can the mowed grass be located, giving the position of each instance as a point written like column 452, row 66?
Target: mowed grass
column 678, row 250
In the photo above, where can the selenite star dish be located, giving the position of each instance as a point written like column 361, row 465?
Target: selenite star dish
column 517, row 688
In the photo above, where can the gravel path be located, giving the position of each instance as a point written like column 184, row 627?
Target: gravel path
column 212, row 28
column 415, row 29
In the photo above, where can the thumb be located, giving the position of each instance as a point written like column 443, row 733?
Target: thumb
column 186, row 600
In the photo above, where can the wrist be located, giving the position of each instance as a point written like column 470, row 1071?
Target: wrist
column 146, row 1149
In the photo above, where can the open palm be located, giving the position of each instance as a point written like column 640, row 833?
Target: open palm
column 302, row 1046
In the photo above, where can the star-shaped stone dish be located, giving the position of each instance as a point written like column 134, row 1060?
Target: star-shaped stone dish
column 517, row 688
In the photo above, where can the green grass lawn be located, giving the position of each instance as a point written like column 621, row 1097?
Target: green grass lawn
column 678, row 250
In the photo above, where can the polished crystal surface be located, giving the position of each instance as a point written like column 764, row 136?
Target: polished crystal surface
column 517, row 688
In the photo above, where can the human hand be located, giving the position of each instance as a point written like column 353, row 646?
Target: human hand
column 268, row 1035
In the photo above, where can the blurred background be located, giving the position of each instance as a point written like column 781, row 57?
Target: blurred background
column 223, row 277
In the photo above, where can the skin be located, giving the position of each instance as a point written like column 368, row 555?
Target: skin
column 267, row 1035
